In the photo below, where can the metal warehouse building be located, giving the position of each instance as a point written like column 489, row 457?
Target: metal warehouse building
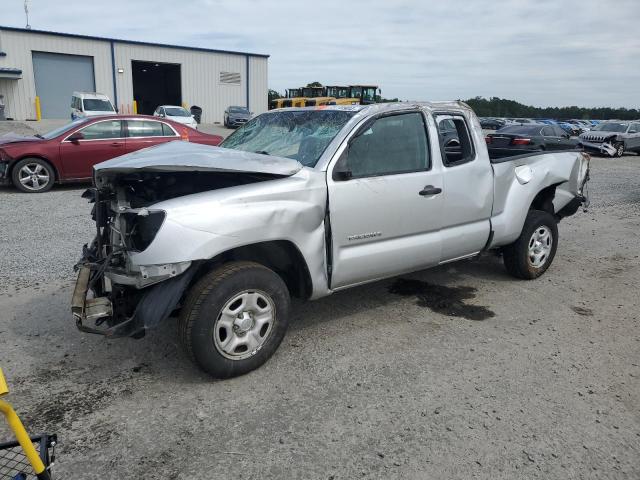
column 51, row 65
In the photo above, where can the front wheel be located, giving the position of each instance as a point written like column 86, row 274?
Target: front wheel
column 33, row 175
column 619, row 149
column 532, row 253
column 234, row 318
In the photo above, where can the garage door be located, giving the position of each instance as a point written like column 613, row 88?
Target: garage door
column 57, row 77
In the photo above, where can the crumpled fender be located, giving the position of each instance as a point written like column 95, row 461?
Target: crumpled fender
column 517, row 183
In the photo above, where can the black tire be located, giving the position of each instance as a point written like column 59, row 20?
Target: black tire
column 41, row 169
column 517, row 258
column 198, row 324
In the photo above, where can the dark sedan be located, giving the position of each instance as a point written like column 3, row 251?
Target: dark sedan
column 491, row 123
column 236, row 116
column 69, row 153
column 520, row 139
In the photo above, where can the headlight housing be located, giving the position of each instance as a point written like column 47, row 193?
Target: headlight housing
column 142, row 229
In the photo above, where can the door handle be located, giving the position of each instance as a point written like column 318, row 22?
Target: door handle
column 430, row 190
column 116, row 144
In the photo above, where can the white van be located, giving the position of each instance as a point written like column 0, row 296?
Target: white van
column 85, row 104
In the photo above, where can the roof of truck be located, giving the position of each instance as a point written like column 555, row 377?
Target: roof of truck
column 384, row 107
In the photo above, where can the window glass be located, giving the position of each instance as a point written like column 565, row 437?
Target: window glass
column 144, row 128
column 167, row 131
column 302, row 135
column 549, row 132
column 176, row 112
column 102, row 130
column 559, row 131
column 97, row 105
column 457, row 144
column 393, row 144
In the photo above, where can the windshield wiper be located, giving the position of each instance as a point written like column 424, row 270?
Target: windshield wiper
column 263, row 152
column 38, row 136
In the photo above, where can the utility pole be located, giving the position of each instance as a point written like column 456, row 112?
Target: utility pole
column 26, row 12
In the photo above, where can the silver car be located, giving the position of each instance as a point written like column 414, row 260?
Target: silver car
column 612, row 138
column 306, row 202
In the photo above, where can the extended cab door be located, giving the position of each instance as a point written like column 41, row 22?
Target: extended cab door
column 100, row 141
column 385, row 201
column 467, row 189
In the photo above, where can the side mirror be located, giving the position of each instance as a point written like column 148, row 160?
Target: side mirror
column 75, row 137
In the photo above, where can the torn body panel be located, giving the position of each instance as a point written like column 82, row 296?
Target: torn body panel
column 519, row 180
column 153, row 234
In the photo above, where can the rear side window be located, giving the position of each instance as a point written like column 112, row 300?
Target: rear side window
column 456, row 143
column 391, row 145
column 167, row 131
column 103, row 130
column 559, row 131
column 548, row 132
column 145, row 128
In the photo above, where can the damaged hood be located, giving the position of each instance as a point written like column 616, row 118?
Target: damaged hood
column 179, row 156
column 14, row 137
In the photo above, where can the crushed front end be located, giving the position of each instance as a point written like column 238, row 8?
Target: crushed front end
column 113, row 296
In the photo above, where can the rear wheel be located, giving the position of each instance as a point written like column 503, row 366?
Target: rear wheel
column 532, row 253
column 234, row 318
column 33, row 175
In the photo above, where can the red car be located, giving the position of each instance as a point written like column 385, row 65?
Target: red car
column 69, row 153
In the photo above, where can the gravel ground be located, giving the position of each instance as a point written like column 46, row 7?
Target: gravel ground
column 367, row 383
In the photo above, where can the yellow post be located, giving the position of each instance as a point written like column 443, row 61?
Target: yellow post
column 38, row 111
column 18, row 429
column 135, row 107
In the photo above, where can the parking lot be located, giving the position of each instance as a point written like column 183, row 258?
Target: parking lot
column 475, row 375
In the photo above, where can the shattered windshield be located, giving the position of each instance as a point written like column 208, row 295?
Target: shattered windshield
column 302, row 134
column 611, row 127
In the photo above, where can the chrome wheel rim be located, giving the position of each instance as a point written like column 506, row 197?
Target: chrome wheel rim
column 244, row 324
column 540, row 245
column 33, row 176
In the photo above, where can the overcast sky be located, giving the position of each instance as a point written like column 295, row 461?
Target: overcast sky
column 539, row 52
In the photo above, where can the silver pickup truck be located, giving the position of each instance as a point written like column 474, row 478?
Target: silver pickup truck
column 306, row 202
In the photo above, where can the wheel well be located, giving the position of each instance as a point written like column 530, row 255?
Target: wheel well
column 281, row 256
column 544, row 200
column 55, row 170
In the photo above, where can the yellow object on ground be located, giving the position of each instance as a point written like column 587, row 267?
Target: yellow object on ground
column 16, row 426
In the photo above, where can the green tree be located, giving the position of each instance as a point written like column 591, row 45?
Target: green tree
column 314, row 84
column 500, row 107
column 273, row 95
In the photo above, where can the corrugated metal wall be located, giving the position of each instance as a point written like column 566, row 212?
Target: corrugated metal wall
column 258, row 84
column 19, row 95
column 200, row 73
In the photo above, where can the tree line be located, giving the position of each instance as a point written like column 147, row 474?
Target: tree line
column 501, row 107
